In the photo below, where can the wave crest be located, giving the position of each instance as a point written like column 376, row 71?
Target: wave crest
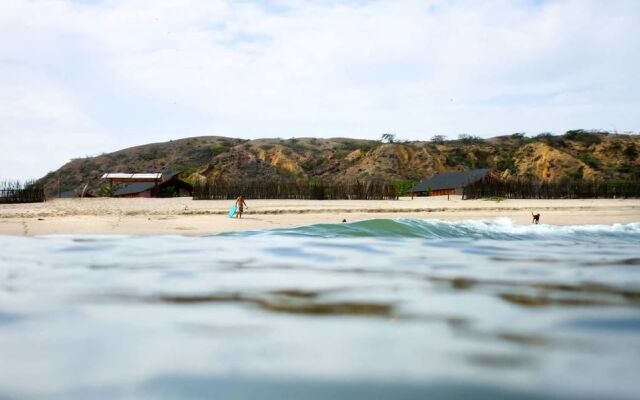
column 501, row 228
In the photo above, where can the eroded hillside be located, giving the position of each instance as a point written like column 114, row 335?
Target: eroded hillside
column 575, row 155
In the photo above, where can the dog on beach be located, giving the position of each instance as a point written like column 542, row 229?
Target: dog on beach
column 536, row 218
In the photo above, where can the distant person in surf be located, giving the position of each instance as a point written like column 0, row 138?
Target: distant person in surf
column 536, row 218
column 240, row 205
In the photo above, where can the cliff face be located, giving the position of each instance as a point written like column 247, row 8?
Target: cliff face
column 577, row 154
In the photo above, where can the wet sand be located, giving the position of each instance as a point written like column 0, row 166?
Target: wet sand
column 184, row 216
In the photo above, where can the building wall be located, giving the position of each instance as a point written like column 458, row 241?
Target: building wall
column 440, row 192
column 443, row 192
column 145, row 194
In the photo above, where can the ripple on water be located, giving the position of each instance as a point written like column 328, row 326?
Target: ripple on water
column 381, row 309
column 629, row 325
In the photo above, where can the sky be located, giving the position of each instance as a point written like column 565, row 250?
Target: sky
column 79, row 78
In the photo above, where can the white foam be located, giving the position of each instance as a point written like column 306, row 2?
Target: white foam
column 506, row 226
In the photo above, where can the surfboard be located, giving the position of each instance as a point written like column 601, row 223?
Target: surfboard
column 232, row 210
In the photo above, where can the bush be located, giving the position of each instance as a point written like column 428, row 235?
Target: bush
column 575, row 174
column 585, row 137
column 403, row 186
column 459, row 156
column 296, row 145
column 590, row 160
column 439, row 139
column 623, row 168
column 481, row 159
column 551, row 140
column 340, row 153
column 631, row 152
column 348, row 145
column 544, row 136
column 307, row 165
column 152, row 153
column 217, row 148
column 469, row 139
column 615, row 146
column 368, row 146
column 106, row 191
column 184, row 169
column 507, row 163
column 388, row 138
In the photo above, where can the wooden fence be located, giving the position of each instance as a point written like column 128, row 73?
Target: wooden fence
column 565, row 189
column 16, row 192
column 303, row 190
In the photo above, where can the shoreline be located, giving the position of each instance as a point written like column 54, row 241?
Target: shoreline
column 183, row 216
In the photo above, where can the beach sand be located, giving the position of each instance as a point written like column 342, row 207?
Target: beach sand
column 184, row 216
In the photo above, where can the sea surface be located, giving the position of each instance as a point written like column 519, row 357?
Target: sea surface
column 377, row 309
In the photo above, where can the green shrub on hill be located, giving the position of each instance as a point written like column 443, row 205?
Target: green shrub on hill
column 368, row 146
column 575, row 174
column 217, row 148
column 340, row 153
column 590, row 160
column 106, row 191
column 631, row 152
column 438, row 139
column 585, row 137
column 551, row 140
column 505, row 163
column 152, row 153
column 469, row 139
column 403, row 186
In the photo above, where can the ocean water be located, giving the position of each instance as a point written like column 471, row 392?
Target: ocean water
column 377, row 309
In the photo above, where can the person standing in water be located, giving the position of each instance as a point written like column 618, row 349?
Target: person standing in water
column 240, row 205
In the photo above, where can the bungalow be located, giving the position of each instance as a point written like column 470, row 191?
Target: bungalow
column 150, row 185
column 448, row 183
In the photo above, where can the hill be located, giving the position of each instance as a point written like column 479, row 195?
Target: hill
column 576, row 154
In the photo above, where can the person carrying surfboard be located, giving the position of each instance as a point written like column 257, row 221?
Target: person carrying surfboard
column 240, row 205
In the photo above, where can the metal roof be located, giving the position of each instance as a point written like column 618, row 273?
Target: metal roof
column 451, row 180
column 135, row 188
column 138, row 187
column 168, row 175
column 128, row 176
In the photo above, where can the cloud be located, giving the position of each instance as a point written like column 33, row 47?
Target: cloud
column 119, row 73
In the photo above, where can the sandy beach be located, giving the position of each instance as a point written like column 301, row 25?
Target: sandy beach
column 184, row 216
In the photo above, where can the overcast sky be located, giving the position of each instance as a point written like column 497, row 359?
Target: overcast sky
column 83, row 77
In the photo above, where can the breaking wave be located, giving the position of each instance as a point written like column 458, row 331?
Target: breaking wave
column 501, row 229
